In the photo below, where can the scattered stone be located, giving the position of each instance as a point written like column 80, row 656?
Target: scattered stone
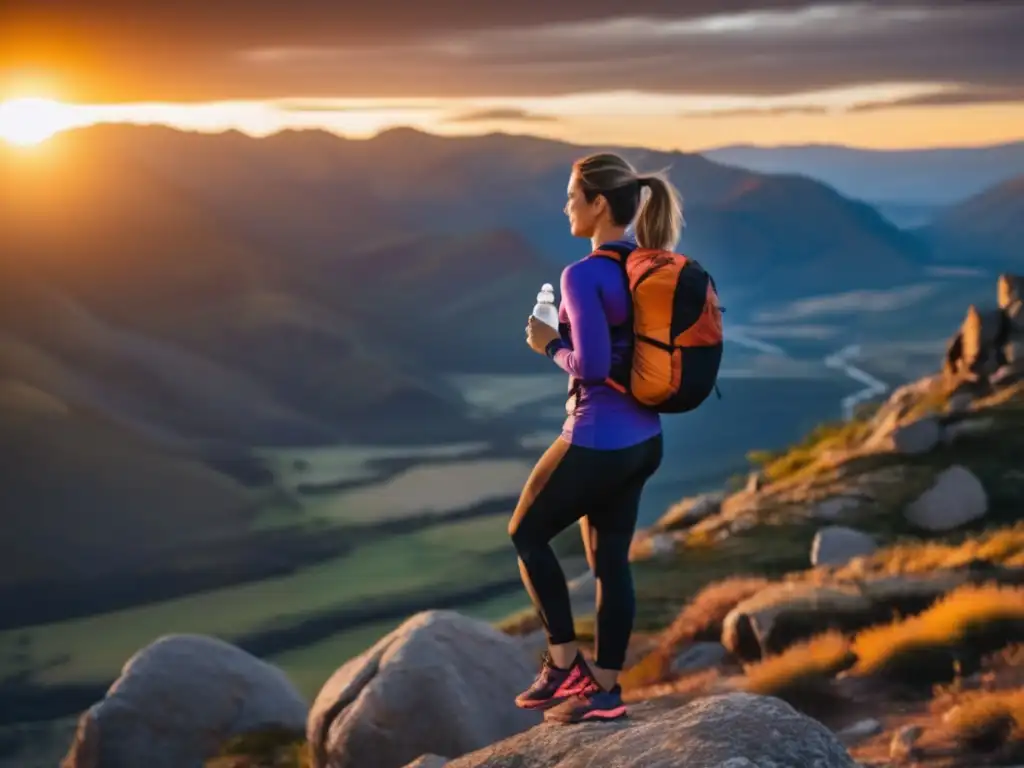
column 860, row 730
column 662, row 544
column 647, row 545
column 959, row 402
column 966, row 428
column 699, row 656
column 690, row 511
column 836, row 508
column 836, row 545
column 917, row 437
column 178, row 700
column 956, row 497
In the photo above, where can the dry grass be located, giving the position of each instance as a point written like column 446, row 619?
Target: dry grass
column 986, row 721
column 520, row 623
column 802, row 673
column 830, row 436
column 700, row 620
column 1003, row 546
column 957, row 631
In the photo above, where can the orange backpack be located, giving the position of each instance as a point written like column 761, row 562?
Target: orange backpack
column 677, row 330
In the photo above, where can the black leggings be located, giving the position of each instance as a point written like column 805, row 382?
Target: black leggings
column 570, row 482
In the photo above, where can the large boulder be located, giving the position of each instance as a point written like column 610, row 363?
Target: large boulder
column 178, row 700
column 955, row 498
column 441, row 683
column 732, row 730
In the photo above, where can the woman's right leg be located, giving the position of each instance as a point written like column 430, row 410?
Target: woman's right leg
column 612, row 524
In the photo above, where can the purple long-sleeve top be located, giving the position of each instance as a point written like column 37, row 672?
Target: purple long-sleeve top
column 595, row 299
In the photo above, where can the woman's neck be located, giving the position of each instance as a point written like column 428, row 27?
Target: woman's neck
column 605, row 234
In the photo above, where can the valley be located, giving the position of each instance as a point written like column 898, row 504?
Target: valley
column 276, row 390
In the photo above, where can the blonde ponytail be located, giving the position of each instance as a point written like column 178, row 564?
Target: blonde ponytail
column 659, row 222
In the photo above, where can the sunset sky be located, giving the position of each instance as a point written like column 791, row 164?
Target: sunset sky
column 669, row 74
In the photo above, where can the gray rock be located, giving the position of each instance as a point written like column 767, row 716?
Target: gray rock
column 689, row 512
column 178, row 700
column 732, row 730
column 699, row 656
column 918, row 436
column 836, row 545
column 836, row 508
column 784, row 613
column 860, row 730
column 441, row 684
column 966, row 428
column 428, row 761
column 955, row 498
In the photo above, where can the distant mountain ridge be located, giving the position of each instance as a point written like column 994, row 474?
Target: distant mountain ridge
column 986, row 229
column 928, row 179
column 283, row 264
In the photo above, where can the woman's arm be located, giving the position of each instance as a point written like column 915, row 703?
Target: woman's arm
column 590, row 357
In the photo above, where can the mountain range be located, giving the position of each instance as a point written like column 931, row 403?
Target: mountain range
column 170, row 301
column 909, row 185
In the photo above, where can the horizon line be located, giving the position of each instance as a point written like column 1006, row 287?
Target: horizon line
column 507, row 133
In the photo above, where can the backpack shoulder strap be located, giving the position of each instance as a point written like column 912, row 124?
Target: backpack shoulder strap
column 616, row 252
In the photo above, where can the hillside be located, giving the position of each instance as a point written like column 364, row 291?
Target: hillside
column 869, row 577
column 986, row 229
column 930, row 179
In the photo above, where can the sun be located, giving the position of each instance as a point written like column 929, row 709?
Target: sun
column 28, row 121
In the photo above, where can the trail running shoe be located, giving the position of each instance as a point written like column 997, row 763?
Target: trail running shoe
column 594, row 703
column 554, row 685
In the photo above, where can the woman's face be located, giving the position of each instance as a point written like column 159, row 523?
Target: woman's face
column 583, row 215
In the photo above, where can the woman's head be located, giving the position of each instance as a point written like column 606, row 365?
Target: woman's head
column 605, row 191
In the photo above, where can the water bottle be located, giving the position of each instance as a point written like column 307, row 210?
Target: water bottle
column 545, row 309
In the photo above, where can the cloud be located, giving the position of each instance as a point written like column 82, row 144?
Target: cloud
column 756, row 112
column 394, row 48
column 949, row 97
column 851, row 302
column 508, row 114
column 330, row 105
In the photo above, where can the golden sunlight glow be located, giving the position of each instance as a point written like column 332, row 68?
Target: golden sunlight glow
column 28, row 121
column 679, row 122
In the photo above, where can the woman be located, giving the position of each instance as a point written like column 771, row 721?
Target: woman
column 610, row 444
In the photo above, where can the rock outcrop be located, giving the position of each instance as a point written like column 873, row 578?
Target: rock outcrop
column 441, row 683
column 178, row 700
column 732, row 730
column 991, row 339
